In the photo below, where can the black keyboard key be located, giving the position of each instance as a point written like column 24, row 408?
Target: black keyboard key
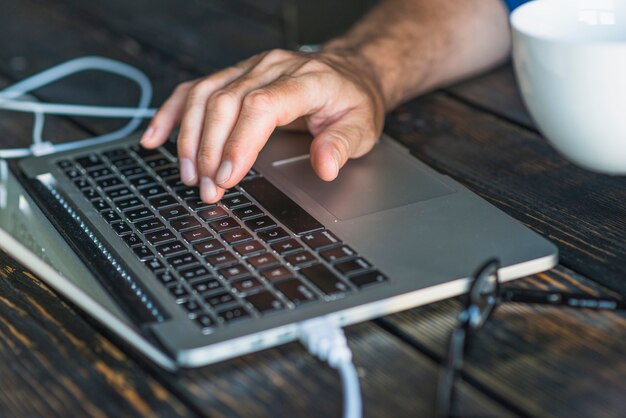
column 115, row 154
column 246, row 285
column 63, row 164
column 338, row 254
column 175, row 183
column 166, row 172
column 209, row 247
column 287, row 247
column 171, row 248
column 124, row 162
column 189, row 192
column 128, row 203
column 236, row 236
column 233, row 314
column 174, row 212
column 90, row 194
column 222, row 259
column 196, row 235
column 320, row 239
column 217, row 300
column 89, row 161
column 171, row 147
column 154, row 264
column 132, row 240
column 353, row 266
column 81, row 183
column 159, row 162
column 203, row 286
column 109, row 183
column 133, row 171
column 197, row 204
column 194, row 273
column 263, row 261
column 143, row 252
column 205, row 322
column 325, row 280
column 181, row 261
column 183, row 224
column 146, row 154
column 166, row 277
column 224, row 225
column 234, row 272
column 212, row 214
column 110, row 216
column 149, row 225
column 263, row 222
column 143, row 181
column 368, row 279
column 100, row 204
column 160, row 237
column 162, row 202
column 235, row 201
column 295, row 291
column 282, row 207
column 97, row 173
column 248, row 212
column 118, row 193
column 72, row 173
column 138, row 214
column 276, row 274
column 121, row 228
column 151, row 191
column 192, row 306
column 178, row 291
column 249, row 248
column 264, row 302
column 274, row 234
column 301, row 259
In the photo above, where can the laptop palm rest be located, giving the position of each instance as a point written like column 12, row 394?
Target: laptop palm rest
column 383, row 179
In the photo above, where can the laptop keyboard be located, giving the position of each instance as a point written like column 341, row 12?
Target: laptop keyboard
column 254, row 253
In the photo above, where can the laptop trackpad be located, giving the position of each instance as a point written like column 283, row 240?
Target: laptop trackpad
column 383, row 179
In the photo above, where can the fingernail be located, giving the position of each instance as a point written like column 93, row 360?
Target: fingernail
column 147, row 135
column 337, row 159
column 207, row 189
column 224, row 172
column 187, row 171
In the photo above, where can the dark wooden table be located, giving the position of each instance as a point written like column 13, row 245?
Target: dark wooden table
column 529, row 361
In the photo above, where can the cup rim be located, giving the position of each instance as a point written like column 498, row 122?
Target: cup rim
column 516, row 16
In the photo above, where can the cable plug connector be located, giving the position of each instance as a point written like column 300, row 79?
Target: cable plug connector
column 325, row 339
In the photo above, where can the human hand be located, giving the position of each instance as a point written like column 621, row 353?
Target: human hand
column 226, row 118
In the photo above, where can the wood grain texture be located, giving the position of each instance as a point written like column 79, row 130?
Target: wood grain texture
column 515, row 169
column 545, row 361
column 55, row 364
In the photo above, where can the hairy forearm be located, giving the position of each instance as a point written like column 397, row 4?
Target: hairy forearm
column 413, row 46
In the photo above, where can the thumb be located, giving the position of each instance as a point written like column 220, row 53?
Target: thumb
column 349, row 137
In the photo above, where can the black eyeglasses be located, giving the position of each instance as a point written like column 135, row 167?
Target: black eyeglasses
column 483, row 297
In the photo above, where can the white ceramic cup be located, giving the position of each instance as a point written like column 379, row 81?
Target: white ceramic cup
column 570, row 61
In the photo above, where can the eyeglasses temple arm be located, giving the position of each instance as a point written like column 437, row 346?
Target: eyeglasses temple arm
column 572, row 300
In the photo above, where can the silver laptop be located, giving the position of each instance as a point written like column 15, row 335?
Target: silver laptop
column 112, row 229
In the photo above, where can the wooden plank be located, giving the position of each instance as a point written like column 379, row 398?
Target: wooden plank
column 545, row 361
column 56, row 364
column 582, row 212
column 192, row 32
column 495, row 92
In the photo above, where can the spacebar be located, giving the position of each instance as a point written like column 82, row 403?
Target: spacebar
column 280, row 206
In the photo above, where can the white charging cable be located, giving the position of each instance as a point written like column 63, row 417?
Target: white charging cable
column 326, row 340
column 17, row 98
